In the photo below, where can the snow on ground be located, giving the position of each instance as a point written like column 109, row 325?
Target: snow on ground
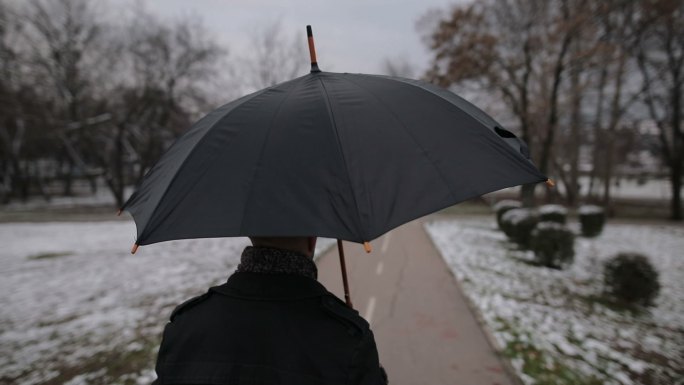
column 553, row 209
column 102, row 197
column 552, row 324
column 657, row 189
column 78, row 308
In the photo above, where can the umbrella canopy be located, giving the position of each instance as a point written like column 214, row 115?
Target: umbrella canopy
column 338, row 155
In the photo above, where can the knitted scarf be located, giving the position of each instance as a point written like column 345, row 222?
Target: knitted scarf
column 276, row 261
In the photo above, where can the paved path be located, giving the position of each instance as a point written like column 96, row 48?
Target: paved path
column 425, row 332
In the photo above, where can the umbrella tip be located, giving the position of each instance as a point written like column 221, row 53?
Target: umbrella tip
column 118, row 212
column 367, row 247
column 135, row 248
column 550, row 182
column 312, row 50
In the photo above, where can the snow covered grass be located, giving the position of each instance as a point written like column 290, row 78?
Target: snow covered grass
column 553, row 324
column 590, row 210
column 506, row 203
column 82, row 198
column 78, row 308
column 553, row 209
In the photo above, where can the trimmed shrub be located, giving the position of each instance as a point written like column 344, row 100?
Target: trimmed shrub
column 630, row 278
column 501, row 207
column 553, row 245
column 553, row 213
column 592, row 219
column 518, row 224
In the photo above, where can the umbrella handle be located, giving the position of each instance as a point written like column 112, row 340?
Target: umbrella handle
column 347, row 297
column 312, row 50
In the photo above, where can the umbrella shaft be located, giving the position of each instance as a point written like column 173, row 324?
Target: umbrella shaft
column 347, row 297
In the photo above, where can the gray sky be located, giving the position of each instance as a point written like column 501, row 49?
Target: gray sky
column 350, row 36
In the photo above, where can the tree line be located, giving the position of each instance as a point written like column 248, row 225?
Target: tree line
column 573, row 75
column 89, row 92
column 94, row 93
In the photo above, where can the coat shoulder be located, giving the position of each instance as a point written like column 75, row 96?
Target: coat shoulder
column 189, row 304
column 339, row 310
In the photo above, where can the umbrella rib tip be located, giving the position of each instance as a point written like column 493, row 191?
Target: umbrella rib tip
column 550, row 182
column 367, row 247
column 135, row 248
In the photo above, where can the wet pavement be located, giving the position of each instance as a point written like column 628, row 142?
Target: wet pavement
column 425, row 331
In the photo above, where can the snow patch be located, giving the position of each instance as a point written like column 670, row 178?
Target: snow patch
column 553, row 209
column 590, row 210
column 506, row 203
column 555, row 310
column 515, row 216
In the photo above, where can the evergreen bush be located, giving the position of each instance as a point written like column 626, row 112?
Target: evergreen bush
column 630, row 278
column 518, row 224
column 592, row 218
column 553, row 213
column 501, row 207
column 553, row 245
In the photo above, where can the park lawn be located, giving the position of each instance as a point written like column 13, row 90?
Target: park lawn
column 78, row 308
column 553, row 325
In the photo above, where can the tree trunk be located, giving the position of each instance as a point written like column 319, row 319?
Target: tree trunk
column 67, row 178
column 575, row 123
column 608, row 169
column 118, row 166
column 615, row 115
column 677, row 166
column 676, row 181
column 527, row 194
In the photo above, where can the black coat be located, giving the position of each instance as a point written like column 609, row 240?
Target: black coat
column 268, row 329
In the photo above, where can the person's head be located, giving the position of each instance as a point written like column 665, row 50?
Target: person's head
column 303, row 245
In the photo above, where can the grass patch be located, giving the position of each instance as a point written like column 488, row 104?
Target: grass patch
column 49, row 255
column 544, row 369
column 616, row 306
column 53, row 322
column 118, row 366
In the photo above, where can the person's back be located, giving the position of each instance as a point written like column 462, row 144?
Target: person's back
column 271, row 323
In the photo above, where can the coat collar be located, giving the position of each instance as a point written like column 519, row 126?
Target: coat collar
column 259, row 286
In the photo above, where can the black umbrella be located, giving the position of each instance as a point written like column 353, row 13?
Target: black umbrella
column 337, row 155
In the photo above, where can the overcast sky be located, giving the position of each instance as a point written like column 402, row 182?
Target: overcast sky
column 350, row 36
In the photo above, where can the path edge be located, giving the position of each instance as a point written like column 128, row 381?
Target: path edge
column 510, row 370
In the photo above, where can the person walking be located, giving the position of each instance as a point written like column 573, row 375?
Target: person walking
column 271, row 323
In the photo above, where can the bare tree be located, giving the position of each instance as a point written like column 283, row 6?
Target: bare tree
column 616, row 93
column 275, row 56
column 165, row 67
column 659, row 50
column 22, row 109
column 519, row 49
column 398, row 66
column 63, row 37
column 11, row 138
column 109, row 95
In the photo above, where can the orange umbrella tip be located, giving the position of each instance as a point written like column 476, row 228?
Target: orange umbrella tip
column 550, row 182
column 135, row 248
column 312, row 50
column 367, row 247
